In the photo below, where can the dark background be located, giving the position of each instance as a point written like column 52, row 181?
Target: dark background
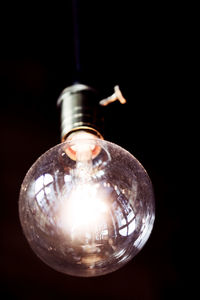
column 141, row 47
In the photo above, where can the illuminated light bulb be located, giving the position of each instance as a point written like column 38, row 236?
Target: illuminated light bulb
column 86, row 206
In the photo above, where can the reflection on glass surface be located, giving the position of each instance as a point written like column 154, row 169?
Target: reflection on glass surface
column 90, row 215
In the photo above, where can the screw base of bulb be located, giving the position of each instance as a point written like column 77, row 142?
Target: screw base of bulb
column 80, row 110
column 82, row 128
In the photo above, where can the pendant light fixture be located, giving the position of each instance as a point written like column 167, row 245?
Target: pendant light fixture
column 86, row 205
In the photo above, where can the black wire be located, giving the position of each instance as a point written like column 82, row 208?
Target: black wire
column 75, row 9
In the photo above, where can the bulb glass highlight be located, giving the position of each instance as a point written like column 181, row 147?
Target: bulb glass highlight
column 86, row 206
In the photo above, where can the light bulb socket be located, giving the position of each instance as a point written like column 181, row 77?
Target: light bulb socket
column 80, row 110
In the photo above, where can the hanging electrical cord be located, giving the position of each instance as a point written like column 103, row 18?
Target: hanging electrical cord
column 76, row 32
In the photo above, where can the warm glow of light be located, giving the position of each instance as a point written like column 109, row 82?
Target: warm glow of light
column 84, row 209
column 86, row 147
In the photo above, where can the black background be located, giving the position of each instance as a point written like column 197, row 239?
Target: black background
column 142, row 48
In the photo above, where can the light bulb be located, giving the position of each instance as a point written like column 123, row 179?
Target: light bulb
column 86, row 206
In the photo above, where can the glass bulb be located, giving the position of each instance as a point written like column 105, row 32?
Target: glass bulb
column 86, row 206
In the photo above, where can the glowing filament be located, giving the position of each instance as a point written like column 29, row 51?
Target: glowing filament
column 84, row 209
